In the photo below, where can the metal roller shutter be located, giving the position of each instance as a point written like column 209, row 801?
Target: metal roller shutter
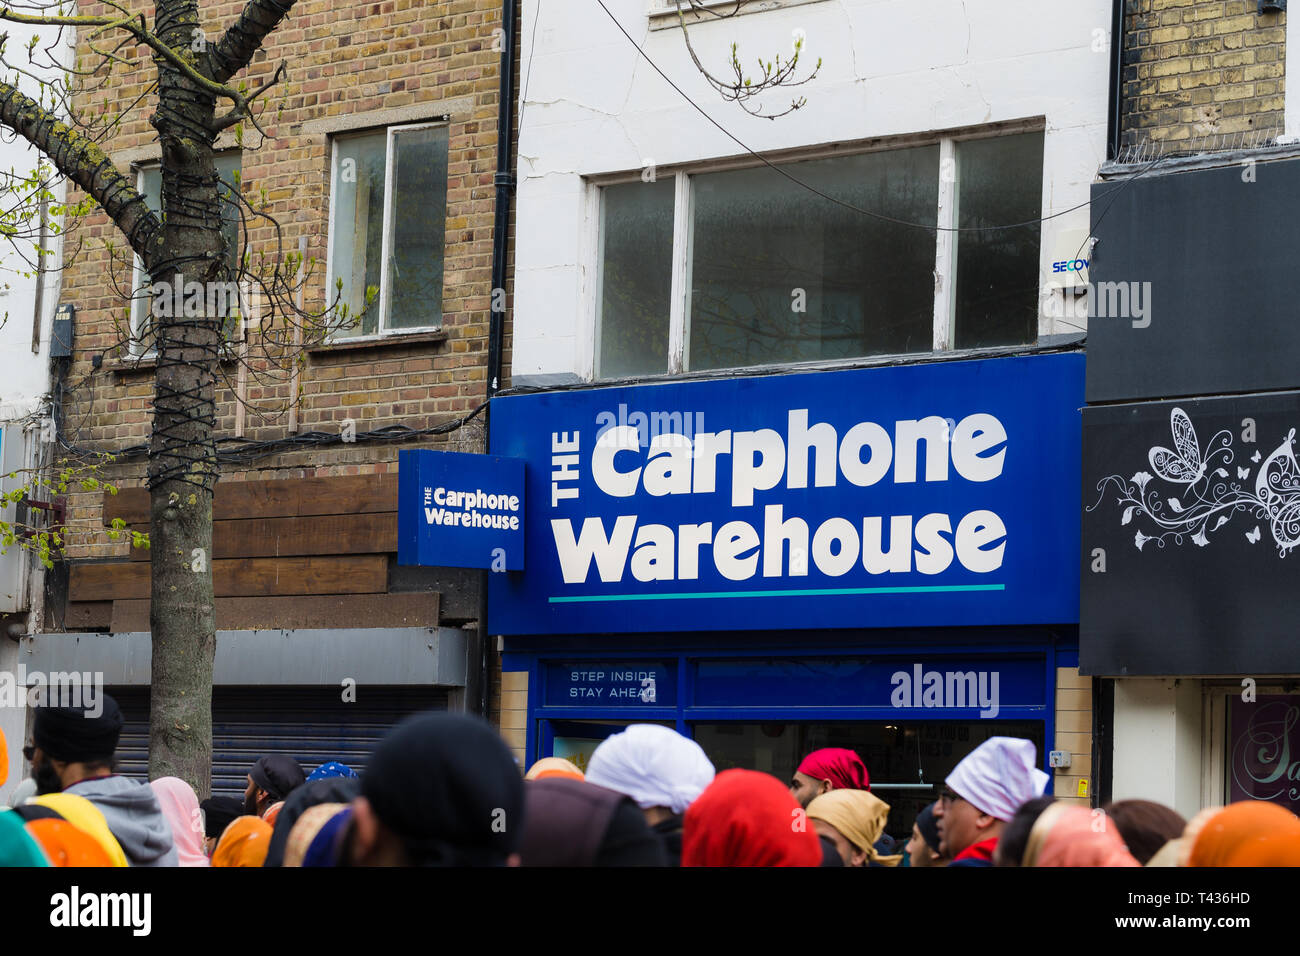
column 310, row 724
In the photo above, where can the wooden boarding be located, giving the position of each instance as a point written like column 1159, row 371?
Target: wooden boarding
column 342, row 495
column 88, row 615
column 327, row 534
column 317, row 611
column 240, row 577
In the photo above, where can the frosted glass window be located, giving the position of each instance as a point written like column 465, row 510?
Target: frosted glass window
column 636, row 278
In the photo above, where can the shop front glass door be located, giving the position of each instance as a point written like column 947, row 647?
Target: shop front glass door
column 577, row 740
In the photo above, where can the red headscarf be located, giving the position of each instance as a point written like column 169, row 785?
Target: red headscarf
column 843, row 768
column 747, row 818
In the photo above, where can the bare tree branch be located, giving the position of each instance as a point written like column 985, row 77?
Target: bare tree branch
column 83, row 162
column 235, row 50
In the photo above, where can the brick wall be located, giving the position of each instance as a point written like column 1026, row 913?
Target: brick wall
column 1195, row 70
column 514, row 711
column 342, row 60
column 1074, row 734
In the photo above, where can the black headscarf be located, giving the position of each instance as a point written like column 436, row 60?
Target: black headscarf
column 324, row 790
column 278, row 775
column 218, row 812
column 448, row 786
column 74, row 735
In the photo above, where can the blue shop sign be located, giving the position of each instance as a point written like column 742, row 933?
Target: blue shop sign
column 606, row 684
column 938, row 494
column 913, row 686
column 460, row 511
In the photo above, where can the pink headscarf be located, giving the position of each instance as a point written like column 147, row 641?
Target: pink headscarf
column 180, row 806
column 1076, row 836
column 843, row 768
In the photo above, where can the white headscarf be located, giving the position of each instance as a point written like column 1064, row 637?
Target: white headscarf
column 652, row 764
column 998, row 776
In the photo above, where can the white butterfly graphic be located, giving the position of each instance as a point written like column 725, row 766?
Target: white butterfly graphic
column 1243, row 473
column 1253, row 536
column 1183, row 466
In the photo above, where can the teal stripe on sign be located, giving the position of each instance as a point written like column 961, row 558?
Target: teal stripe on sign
column 807, row 592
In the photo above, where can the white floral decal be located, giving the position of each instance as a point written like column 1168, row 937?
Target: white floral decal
column 1205, row 496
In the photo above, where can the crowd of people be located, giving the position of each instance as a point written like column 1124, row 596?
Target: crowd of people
column 444, row 790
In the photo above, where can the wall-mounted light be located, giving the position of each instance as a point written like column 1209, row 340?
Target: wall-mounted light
column 1272, row 6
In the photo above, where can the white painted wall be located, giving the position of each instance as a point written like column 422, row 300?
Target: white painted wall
column 1158, row 746
column 889, row 67
column 24, row 373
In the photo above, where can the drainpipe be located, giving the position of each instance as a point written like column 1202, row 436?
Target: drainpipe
column 1115, row 105
column 505, row 183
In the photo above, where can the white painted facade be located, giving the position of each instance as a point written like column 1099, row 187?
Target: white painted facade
column 25, row 385
column 591, row 106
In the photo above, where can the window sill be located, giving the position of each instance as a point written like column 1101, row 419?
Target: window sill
column 130, row 364
column 665, row 18
column 377, row 342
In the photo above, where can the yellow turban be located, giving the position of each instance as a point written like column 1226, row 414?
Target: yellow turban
column 858, row 815
column 87, row 818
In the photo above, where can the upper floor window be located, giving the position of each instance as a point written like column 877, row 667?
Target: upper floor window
column 743, row 267
column 145, row 297
column 388, row 213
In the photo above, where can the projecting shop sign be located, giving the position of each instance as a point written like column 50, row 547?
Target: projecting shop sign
column 460, row 511
column 939, row 494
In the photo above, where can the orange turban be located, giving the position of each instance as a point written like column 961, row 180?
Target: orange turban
column 244, row 843
column 65, row 845
column 553, row 767
column 1248, row 833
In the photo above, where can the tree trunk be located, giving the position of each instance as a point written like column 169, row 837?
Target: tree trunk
column 182, row 459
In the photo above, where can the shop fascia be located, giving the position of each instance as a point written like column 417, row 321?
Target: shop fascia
column 761, row 460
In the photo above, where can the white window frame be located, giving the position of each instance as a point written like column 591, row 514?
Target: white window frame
column 945, row 266
column 141, row 297
column 385, row 287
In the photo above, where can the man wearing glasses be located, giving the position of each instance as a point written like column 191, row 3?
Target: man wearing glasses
column 981, row 794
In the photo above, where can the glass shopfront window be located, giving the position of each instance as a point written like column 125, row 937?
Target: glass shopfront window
column 1262, row 743
column 907, row 760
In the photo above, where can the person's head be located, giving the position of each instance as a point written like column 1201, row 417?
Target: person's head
column 244, row 843
column 985, row 790
column 831, row 768
column 554, row 767
column 1145, row 825
column 272, row 778
column 1247, row 833
column 747, row 818
column 218, row 813
column 923, row 847
column 853, row 820
column 1065, row 835
column 71, row 744
column 1010, row 850
column 440, row 790
column 329, row 769
column 654, row 765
